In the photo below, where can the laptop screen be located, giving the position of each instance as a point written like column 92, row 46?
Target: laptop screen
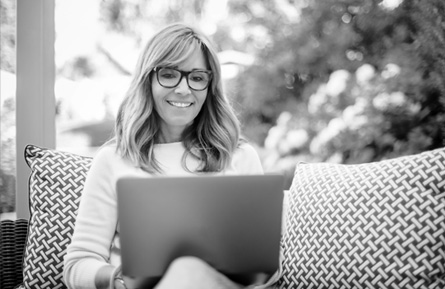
column 231, row 222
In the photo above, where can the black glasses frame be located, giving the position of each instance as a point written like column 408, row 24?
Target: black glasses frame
column 186, row 74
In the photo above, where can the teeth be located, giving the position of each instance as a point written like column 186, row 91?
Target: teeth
column 180, row 104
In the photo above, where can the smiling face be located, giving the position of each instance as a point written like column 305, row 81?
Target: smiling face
column 177, row 107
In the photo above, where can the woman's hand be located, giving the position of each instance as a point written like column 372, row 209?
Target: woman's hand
column 132, row 283
column 119, row 283
column 105, row 275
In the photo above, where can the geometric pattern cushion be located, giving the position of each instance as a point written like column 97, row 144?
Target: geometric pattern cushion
column 376, row 225
column 55, row 186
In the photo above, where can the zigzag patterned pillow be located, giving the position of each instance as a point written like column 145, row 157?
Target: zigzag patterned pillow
column 377, row 225
column 55, row 185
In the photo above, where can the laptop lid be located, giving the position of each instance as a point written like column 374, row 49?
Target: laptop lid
column 231, row 222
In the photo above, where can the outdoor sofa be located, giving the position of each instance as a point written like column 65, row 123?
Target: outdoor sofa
column 375, row 225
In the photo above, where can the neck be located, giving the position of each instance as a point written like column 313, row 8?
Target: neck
column 170, row 137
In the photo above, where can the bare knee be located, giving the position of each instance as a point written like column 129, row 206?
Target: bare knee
column 185, row 272
column 189, row 263
column 190, row 272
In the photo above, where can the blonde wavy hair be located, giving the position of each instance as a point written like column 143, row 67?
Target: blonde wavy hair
column 215, row 133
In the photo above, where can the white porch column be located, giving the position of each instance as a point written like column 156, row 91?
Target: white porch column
column 35, row 118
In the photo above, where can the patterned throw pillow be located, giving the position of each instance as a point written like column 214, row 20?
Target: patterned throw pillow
column 377, row 225
column 55, row 185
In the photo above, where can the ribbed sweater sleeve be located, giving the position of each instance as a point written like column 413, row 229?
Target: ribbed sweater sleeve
column 95, row 225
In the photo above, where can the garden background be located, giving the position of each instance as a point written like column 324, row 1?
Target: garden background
column 343, row 81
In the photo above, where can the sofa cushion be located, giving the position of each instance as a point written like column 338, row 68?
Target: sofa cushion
column 376, row 225
column 55, row 185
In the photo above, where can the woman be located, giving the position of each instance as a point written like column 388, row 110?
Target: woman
column 174, row 120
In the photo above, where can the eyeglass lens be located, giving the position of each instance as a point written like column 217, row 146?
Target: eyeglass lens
column 197, row 80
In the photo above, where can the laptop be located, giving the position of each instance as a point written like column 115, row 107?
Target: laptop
column 231, row 222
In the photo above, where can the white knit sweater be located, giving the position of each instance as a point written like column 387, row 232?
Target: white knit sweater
column 95, row 241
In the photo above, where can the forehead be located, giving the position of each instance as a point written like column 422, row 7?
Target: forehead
column 195, row 60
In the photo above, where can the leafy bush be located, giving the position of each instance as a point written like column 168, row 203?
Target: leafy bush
column 358, row 83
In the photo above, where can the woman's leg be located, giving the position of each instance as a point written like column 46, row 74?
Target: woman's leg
column 193, row 273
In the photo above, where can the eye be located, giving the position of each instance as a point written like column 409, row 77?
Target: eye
column 199, row 76
column 168, row 73
column 196, row 78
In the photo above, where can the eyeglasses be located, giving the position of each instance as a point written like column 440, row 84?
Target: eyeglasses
column 171, row 77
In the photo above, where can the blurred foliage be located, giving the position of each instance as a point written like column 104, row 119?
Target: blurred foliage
column 358, row 82
column 7, row 34
column 7, row 189
column 7, row 109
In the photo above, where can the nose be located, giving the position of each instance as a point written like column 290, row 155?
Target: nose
column 183, row 87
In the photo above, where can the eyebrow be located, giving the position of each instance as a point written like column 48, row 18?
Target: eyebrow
column 193, row 69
